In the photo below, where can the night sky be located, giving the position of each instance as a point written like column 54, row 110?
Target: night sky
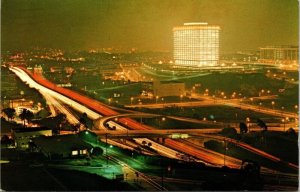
column 144, row 24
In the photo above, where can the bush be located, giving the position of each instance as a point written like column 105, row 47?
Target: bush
column 97, row 151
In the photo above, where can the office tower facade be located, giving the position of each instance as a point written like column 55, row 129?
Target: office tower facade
column 279, row 54
column 196, row 45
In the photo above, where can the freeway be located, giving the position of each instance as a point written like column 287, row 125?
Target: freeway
column 182, row 133
column 145, row 181
column 158, row 133
column 250, row 148
column 210, row 101
column 101, row 122
column 96, row 109
column 55, row 104
column 33, row 84
column 95, row 106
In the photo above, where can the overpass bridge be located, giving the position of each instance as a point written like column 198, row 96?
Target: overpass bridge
column 155, row 133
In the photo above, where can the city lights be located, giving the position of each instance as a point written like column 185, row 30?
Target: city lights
column 143, row 96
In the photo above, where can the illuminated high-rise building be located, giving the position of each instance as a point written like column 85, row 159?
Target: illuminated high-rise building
column 196, row 45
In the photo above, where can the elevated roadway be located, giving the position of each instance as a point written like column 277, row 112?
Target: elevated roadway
column 210, row 101
column 184, row 133
column 97, row 107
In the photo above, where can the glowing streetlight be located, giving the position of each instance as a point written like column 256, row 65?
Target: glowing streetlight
column 109, row 100
column 248, row 122
column 131, row 99
column 248, row 119
column 156, row 98
column 181, row 96
column 260, row 93
column 283, row 121
column 273, row 103
column 260, row 104
column 160, row 122
column 206, row 91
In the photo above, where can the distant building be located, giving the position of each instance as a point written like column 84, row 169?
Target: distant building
column 23, row 136
column 62, row 146
column 14, row 103
column 196, row 45
column 168, row 88
column 279, row 54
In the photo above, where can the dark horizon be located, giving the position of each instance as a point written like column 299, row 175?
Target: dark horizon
column 143, row 24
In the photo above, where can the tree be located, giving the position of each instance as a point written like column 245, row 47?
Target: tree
column 59, row 120
column 26, row 115
column 9, row 112
column 97, row 151
column 229, row 132
column 292, row 133
column 262, row 124
column 43, row 114
column 243, row 128
column 54, row 122
column 83, row 120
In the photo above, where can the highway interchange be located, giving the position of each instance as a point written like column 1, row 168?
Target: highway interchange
column 58, row 97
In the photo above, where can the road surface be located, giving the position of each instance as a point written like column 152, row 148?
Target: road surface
column 96, row 107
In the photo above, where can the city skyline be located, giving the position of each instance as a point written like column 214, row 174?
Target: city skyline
column 145, row 25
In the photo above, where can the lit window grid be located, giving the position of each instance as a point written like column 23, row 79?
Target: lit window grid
column 196, row 46
column 279, row 53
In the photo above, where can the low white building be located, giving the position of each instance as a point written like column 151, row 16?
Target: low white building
column 168, row 88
